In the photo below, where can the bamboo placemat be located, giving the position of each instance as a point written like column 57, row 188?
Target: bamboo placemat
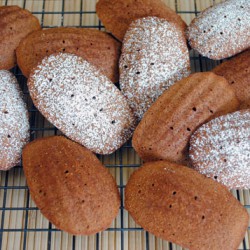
column 22, row 225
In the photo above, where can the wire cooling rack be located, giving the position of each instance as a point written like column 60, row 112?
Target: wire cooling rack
column 21, row 224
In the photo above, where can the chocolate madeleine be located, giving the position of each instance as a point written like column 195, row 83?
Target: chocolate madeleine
column 95, row 46
column 222, row 30
column 154, row 56
column 15, row 24
column 220, row 149
column 70, row 186
column 82, row 102
column 180, row 205
column 14, row 120
column 117, row 15
column 166, row 128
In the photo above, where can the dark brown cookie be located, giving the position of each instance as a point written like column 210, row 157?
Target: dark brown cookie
column 166, row 128
column 222, row 30
column 70, row 186
column 117, row 15
column 80, row 101
column 237, row 72
column 220, row 149
column 15, row 24
column 95, row 46
column 14, row 128
column 154, row 56
column 180, row 205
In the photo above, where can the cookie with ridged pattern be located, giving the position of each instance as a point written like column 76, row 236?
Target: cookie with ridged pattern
column 166, row 128
column 180, row 205
column 70, row 186
column 220, row 149
column 117, row 15
column 95, row 46
column 15, row 24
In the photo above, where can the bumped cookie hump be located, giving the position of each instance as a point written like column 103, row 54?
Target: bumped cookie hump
column 222, row 30
column 154, row 56
column 180, row 205
column 117, row 15
column 220, row 149
column 15, row 24
column 70, row 186
column 166, row 128
column 14, row 130
column 95, row 46
column 80, row 101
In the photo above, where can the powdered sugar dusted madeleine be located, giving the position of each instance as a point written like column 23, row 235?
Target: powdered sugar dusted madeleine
column 237, row 72
column 95, row 46
column 180, row 205
column 15, row 24
column 81, row 102
column 154, row 56
column 166, row 128
column 222, row 30
column 220, row 149
column 117, row 15
column 14, row 128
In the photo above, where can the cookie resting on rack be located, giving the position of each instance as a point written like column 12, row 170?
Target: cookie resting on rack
column 81, row 102
column 166, row 128
column 14, row 121
column 95, row 46
column 220, row 149
column 180, row 205
column 70, row 186
column 117, row 15
column 237, row 72
column 222, row 30
column 15, row 24
column 154, row 56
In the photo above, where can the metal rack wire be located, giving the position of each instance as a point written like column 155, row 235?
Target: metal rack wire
column 29, row 229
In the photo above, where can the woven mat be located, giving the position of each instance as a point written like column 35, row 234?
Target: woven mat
column 22, row 225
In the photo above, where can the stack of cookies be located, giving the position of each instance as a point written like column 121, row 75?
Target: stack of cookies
column 178, row 120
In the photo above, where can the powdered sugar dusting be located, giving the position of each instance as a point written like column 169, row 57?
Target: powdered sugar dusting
column 80, row 101
column 14, row 130
column 222, row 30
column 154, row 56
column 221, row 149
